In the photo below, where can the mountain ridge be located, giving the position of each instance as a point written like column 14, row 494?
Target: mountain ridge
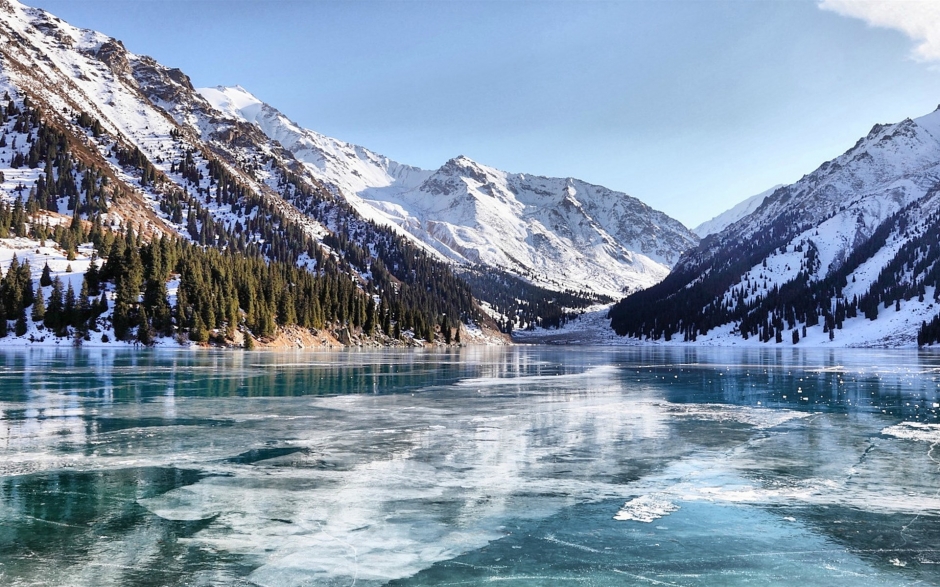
column 597, row 234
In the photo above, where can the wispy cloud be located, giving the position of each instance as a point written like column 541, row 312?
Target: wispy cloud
column 918, row 19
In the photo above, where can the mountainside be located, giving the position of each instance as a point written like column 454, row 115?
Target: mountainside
column 733, row 214
column 559, row 234
column 131, row 156
column 848, row 255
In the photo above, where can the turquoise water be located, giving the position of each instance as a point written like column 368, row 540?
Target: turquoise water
column 520, row 466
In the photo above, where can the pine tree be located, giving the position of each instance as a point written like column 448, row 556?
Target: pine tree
column 445, row 330
column 39, row 308
column 25, row 278
column 83, row 310
column 92, row 276
column 121, row 320
column 198, row 332
column 20, row 327
column 12, row 294
column 144, row 331
column 155, row 299
column 285, row 311
column 386, row 315
column 113, row 267
column 369, row 325
column 69, row 313
column 128, row 288
column 53, row 316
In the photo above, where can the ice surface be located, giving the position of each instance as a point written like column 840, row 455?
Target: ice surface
column 217, row 468
column 914, row 431
column 759, row 418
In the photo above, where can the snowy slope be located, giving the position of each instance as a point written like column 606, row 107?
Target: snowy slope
column 733, row 214
column 841, row 204
column 348, row 167
column 558, row 233
column 851, row 195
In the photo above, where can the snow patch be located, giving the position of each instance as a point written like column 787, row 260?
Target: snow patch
column 646, row 508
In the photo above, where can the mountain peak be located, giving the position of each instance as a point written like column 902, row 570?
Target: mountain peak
column 461, row 165
column 461, row 161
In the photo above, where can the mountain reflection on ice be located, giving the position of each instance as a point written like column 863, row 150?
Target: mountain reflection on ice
column 530, row 465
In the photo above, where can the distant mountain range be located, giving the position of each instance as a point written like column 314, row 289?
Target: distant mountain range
column 556, row 233
column 219, row 168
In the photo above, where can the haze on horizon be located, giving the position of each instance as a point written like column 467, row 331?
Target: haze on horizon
column 689, row 106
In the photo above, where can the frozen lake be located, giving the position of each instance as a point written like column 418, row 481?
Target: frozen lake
column 523, row 466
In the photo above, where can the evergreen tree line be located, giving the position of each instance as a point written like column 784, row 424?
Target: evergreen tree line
column 65, row 309
column 16, row 294
column 224, row 291
column 217, row 291
column 929, row 332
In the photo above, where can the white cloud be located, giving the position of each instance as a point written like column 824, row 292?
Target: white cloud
column 918, row 19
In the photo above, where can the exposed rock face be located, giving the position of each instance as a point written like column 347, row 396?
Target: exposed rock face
column 113, row 54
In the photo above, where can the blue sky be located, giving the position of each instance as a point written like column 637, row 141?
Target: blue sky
column 690, row 106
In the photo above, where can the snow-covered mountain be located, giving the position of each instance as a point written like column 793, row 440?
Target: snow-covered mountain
column 98, row 134
column 557, row 233
column 733, row 214
column 859, row 233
